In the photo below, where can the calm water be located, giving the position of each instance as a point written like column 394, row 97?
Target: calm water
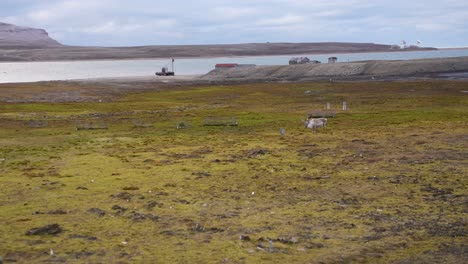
column 47, row 71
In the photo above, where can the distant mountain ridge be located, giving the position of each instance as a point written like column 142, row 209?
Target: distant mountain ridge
column 32, row 44
column 12, row 36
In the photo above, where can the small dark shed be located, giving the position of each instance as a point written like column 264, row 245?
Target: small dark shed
column 332, row 60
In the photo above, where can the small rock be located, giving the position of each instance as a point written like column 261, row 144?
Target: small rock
column 97, row 211
column 183, row 201
column 201, row 174
column 119, row 208
column 51, row 229
column 130, row 188
column 123, row 195
column 137, row 217
column 315, row 245
column 199, row 228
column 257, row 152
column 151, row 204
column 244, row 238
column 124, row 255
column 380, row 229
column 90, row 238
column 284, row 240
column 57, row 212
column 35, row 242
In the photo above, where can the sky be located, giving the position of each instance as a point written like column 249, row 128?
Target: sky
column 155, row 22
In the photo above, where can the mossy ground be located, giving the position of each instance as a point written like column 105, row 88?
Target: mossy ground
column 386, row 181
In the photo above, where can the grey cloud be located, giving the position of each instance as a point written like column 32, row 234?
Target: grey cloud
column 144, row 22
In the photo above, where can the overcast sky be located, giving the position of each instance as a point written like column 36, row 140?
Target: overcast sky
column 442, row 23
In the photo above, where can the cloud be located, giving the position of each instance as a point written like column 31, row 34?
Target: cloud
column 145, row 22
column 229, row 12
column 286, row 20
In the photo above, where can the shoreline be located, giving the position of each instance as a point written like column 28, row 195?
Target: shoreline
column 458, row 48
column 345, row 70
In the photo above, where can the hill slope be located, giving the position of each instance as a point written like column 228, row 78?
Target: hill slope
column 12, row 36
column 341, row 70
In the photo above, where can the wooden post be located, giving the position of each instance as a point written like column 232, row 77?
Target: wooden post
column 345, row 107
column 328, row 105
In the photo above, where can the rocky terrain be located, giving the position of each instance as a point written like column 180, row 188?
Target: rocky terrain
column 350, row 70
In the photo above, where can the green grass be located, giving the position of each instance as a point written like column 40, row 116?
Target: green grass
column 384, row 182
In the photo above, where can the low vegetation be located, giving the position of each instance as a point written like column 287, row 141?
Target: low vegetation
column 385, row 181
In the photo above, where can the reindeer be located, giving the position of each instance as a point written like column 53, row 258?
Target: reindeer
column 314, row 123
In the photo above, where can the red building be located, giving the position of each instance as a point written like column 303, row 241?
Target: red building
column 226, row 65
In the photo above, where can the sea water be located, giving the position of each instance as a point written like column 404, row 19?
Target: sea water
column 14, row 72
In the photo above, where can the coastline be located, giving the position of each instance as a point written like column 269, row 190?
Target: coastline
column 179, row 52
column 227, row 56
column 458, row 48
column 377, row 70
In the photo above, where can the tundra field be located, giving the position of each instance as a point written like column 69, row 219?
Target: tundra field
column 384, row 182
